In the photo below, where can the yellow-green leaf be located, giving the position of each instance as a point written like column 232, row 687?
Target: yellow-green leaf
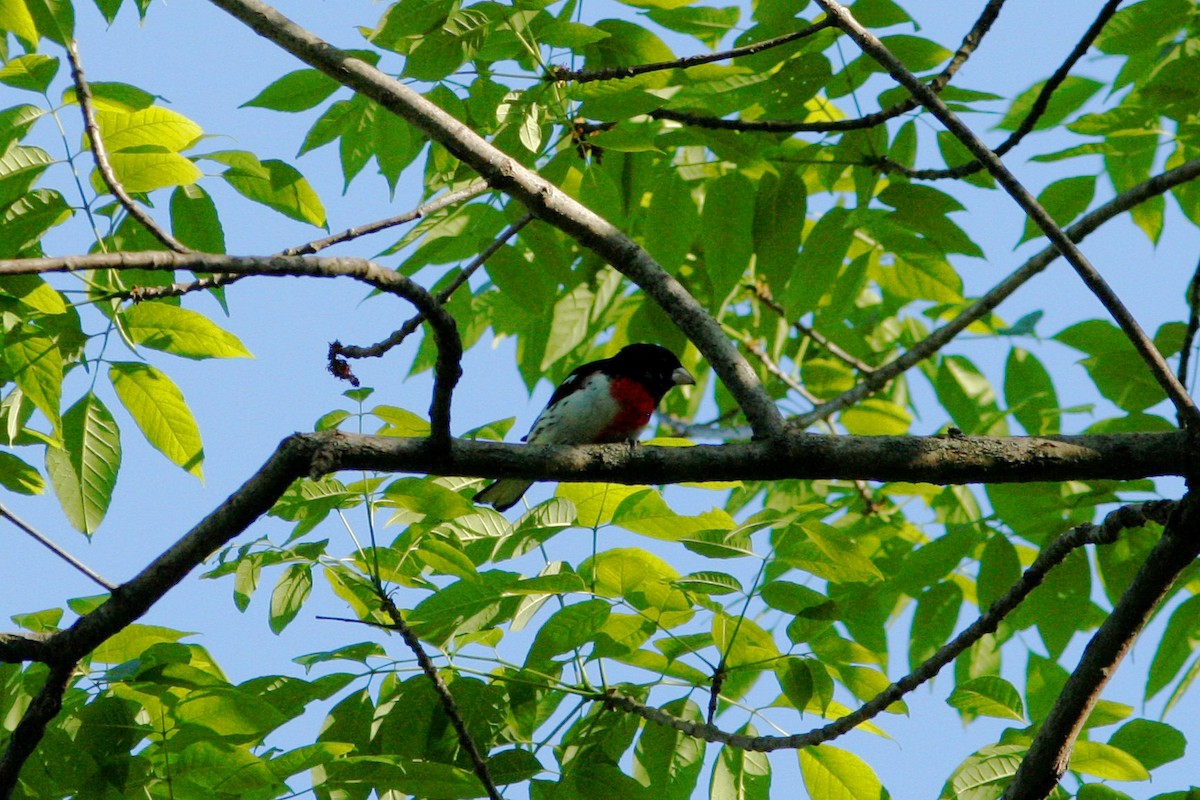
column 161, row 413
column 180, row 332
column 833, row 774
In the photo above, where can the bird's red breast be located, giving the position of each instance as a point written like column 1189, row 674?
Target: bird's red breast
column 635, row 404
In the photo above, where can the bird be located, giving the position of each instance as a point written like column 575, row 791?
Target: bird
column 602, row 402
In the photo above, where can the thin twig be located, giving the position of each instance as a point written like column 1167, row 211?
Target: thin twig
column 215, row 281
column 761, row 354
column 557, row 73
column 83, row 93
column 1189, row 336
column 1145, row 347
column 1051, row 556
column 763, row 295
column 939, row 338
column 1040, row 104
column 45, row 541
column 969, row 44
column 411, row 325
column 469, row 191
column 465, row 740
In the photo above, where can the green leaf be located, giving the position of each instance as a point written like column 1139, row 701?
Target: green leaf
column 727, row 232
column 984, row 773
column 1068, row 98
column 709, row 583
column 181, row 332
column 934, row 621
column 275, row 184
column 144, row 147
column 1064, row 200
column 194, row 220
column 1178, row 642
column 37, row 367
column 161, row 413
column 667, row 761
column 741, row 774
column 1151, row 742
column 1029, row 393
column 595, row 503
column 876, row 417
column 820, row 261
column 84, row 472
column 295, row 91
column 293, row 588
column 1105, row 761
column 15, row 18
column 567, row 629
column 830, row 773
column 32, row 72
column 989, row 696
column 19, row 477
column 1114, row 366
column 28, row 218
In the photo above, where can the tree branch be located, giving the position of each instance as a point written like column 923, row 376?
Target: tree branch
column 410, row 326
column 542, row 198
column 1040, row 104
column 46, row 542
column 557, row 73
column 1051, row 556
column 1050, row 752
column 216, row 281
column 1157, row 365
column 465, row 740
column 32, row 727
column 969, row 43
column 445, row 331
column 83, row 93
column 939, row 338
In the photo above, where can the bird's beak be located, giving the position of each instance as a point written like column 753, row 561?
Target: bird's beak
column 681, row 377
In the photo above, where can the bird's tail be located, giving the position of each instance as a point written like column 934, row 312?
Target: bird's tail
column 503, row 494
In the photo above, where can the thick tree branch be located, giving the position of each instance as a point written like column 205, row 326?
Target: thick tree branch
column 927, row 459
column 32, row 727
column 445, row 331
column 83, row 93
column 1155, row 362
column 969, row 43
column 1051, row 556
column 1087, row 224
column 544, row 199
column 1050, row 752
column 557, row 73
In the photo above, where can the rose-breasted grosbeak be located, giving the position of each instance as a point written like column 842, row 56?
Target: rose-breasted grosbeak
column 604, row 401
